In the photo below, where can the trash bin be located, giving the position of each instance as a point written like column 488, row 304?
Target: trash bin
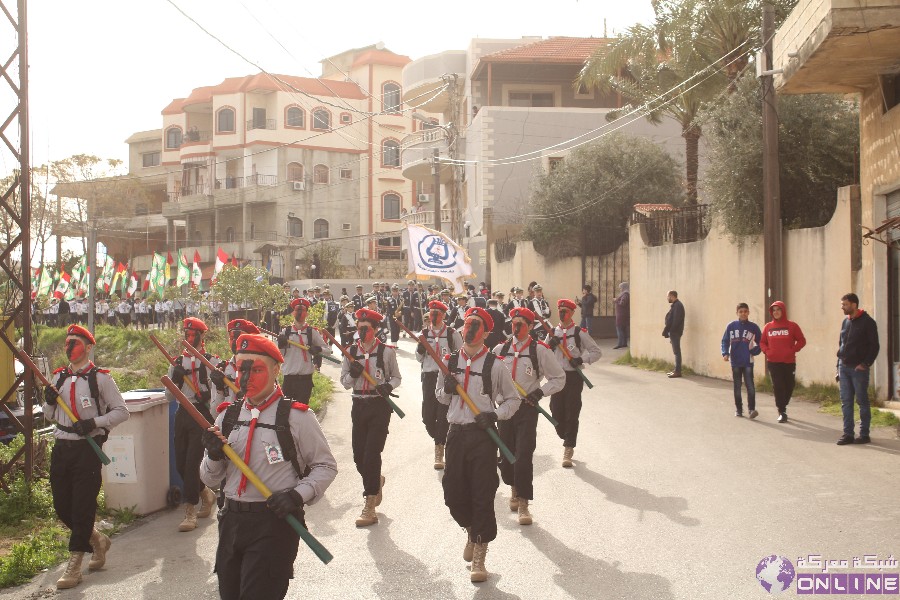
column 138, row 474
column 176, row 484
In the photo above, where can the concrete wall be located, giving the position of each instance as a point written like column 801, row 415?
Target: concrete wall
column 560, row 278
column 713, row 275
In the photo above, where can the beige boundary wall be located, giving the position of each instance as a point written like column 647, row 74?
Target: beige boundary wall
column 713, row 275
column 559, row 278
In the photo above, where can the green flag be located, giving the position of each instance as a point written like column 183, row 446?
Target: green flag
column 184, row 272
column 158, row 273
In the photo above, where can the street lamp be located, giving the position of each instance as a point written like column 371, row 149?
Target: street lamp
column 297, row 271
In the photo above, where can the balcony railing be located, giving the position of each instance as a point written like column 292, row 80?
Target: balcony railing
column 229, row 183
column 184, row 191
column 435, row 134
column 262, row 236
column 194, row 135
column 689, row 224
column 425, row 217
column 260, row 124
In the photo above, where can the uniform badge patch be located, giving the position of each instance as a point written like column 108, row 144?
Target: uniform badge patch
column 529, row 370
column 571, row 346
column 273, row 454
column 85, row 402
column 379, row 374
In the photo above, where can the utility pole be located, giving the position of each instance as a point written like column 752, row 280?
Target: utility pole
column 774, row 264
column 436, row 171
column 92, row 279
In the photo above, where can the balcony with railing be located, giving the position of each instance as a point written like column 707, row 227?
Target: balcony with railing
column 425, row 80
column 194, row 143
column 260, row 124
column 425, row 217
column 678, row 226
column 417, row 154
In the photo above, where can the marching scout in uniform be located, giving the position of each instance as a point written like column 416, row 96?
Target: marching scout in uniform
column 298, row 362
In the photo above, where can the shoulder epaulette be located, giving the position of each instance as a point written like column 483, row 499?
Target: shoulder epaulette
column 540, row 343
column 106, row 371
column 389, row 346
column 300, row 406
column 222, row 406
column 584, row 330
column 59, row 370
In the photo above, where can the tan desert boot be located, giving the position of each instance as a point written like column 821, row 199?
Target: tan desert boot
column 513, row 499
column 207, row 501
column 72, row 576
column 100, row 543
column 379, row 495
column 479, row 572
column 469, row 550
column 368, row 516
column 190, row 518
column 438, row 457
column 524, row 515
column 567, row 457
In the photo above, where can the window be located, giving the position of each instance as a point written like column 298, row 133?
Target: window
column 229, row 234
column 346, row 118
column 554, row 163
column 295, row 227
column 320, row 229
column 140, row 209
column 390, row 97
column 225, row 120
column 390, row 153
column 295, row 171
column 890, row 90
column 295, row 117
column 150, row 159
column 390, row 210
column 531, row 99
column 391, row 242
column 173, row 138
column 320, row 174
column 321, row 119
column 583, row 92
column 346, row 174
column 197, row 239
column 429, row 124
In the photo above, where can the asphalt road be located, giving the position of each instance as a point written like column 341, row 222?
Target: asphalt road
column 671, row 497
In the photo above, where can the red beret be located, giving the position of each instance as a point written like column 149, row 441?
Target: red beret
column 437, row 304
column 365, row 314
column 251, row 343
column 195, row 324
column 482, row 314
column 242, row 325
column 300, row 302
column 522, row 312
column 565, row 303
column 80, row 331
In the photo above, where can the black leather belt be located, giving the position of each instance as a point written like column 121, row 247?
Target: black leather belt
column 364, row 393
column 245, row 506
column 464, row 426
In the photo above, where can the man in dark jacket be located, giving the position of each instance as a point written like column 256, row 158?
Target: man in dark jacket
column 857, row 352
column 673, row 330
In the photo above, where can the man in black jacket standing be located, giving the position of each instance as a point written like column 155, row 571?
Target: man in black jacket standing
column 856, row 354
column 674, row 329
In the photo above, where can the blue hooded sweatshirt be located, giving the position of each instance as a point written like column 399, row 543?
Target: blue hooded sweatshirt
column 741, row 342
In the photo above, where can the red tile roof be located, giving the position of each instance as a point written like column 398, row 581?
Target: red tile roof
column 261, row 81
column 554, row 50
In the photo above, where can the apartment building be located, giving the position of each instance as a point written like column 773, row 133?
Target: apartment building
column 508, row 107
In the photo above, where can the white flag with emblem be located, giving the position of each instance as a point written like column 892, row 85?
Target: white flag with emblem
column 432, row 254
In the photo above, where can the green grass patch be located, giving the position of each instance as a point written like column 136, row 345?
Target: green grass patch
column 323, row 390
column 649, row 364
column 828, row 396
column 40, row 550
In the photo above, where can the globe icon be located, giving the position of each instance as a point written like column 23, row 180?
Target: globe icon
column 775, row 574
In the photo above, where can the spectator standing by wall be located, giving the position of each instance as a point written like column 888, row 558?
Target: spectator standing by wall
column 857, row 352
column 587, row 303
column 781, row 341
column 623, row 316
column 739, row 345
column 674, row 330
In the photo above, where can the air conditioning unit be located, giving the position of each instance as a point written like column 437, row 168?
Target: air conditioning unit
column 345, row 226
column 299, row 186
column 423, row 198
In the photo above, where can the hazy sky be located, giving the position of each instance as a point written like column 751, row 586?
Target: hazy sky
column 104, row 69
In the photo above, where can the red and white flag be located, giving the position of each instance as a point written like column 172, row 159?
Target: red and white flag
column 221, row 261
column 132, row 285
column 62, row 287
column 146, row 285
column 196, row 272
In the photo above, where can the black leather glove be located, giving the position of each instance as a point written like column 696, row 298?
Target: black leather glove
column 285, row 502
column 218, row 378
column 553, row 342
column 315, row 350
column 178, row 374
column 50, row 396
column 486, row 419
column 205, row 395
column 535, row 396
column 420, row 348
column 283, row 339
column 384, row 389
column 213, row 445
column 576, row 361
column 450, row 384
column 665, row 334
column 84, row 427
column 356, row 369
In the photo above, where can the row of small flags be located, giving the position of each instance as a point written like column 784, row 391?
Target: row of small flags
column 114, row 276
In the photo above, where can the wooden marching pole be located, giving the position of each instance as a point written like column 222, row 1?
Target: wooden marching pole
column 172, row 361
column 566, row 353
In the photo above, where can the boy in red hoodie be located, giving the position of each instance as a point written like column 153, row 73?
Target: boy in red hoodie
column 780, row 342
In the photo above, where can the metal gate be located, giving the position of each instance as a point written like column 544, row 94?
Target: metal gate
column 604, row 265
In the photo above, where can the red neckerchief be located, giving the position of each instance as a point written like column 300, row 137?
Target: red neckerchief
column 366, row 355
column 516, row 352
column 194, row 369
column 469, row 361
column 564, row 330
column 275, row 396
column 75, row 375
column 300, row 337
column 437, row 339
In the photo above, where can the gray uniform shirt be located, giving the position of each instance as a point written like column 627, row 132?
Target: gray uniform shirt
column 110, row 404
column 550, row 369
column 438, row 341
column 589, row 352
column 505, row 401
column 192, row 364
column 278, row 475
column 294, row 361
column 391, row 374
